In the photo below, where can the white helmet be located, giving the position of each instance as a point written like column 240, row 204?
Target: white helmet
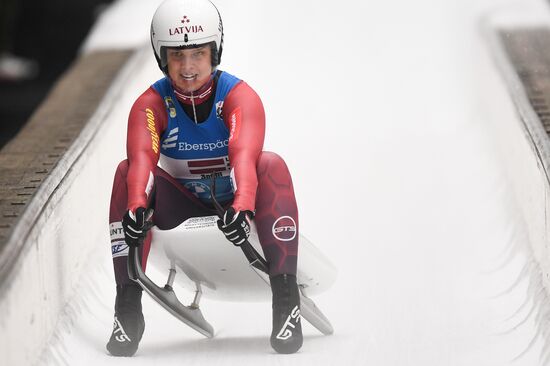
column 186, row 24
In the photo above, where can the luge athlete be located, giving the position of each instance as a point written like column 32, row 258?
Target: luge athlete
column 195, row 123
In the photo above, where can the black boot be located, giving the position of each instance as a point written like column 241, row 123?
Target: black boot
column 129, row 323
column 286, row 336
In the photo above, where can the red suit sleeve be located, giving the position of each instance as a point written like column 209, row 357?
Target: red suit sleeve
column 146, row 123
column 244, row 116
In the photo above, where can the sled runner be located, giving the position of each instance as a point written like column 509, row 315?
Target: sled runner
column 210, row 266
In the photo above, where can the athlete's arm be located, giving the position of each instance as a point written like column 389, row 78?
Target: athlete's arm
column 146, row 123
column 244, row 115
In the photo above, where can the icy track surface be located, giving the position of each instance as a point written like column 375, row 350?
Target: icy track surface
column 375, row 107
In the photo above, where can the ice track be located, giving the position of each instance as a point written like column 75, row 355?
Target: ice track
column 379, row 109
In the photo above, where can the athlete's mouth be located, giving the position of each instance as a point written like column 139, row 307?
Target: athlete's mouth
column 189, row 77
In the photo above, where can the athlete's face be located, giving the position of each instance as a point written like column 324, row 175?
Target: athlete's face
column 189, row 68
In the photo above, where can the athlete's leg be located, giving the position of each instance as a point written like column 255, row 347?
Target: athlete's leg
column 276, row 214
column 277, row 223
column 129, row 323
column 117, row 209
column 173, row 204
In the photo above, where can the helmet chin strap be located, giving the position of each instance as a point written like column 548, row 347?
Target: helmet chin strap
column 194, row 110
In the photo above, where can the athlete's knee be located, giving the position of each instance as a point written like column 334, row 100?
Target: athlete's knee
column 120, row 175
column 270, row 158
column 122, row 168
column 274, row 165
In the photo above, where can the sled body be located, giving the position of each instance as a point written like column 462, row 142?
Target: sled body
column 201, row 251
column 198, row 257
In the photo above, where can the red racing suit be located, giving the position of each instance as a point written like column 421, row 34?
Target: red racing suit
column 261, row 181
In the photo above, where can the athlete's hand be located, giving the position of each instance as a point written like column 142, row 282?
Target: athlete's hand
column 236, row 225
column 134, row 225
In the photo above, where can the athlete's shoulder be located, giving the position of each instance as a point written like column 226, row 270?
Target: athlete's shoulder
column 149, row 106
column 150, row 98
column 162, row 86
column 227, row 77
column 243, row 91
column 236, row 83
column 225, row 82
column 245, row 98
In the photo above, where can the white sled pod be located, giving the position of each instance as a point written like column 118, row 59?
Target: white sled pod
column 199, row 258
column 201, row 251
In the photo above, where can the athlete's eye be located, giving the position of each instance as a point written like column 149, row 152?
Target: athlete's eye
column 175, row 53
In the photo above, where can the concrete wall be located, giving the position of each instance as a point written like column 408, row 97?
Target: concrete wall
column 70, row 231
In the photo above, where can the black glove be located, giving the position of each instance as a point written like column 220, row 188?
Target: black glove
column 236, row 225
column 134, row 225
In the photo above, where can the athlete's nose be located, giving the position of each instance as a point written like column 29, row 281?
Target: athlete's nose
column 187, row 65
